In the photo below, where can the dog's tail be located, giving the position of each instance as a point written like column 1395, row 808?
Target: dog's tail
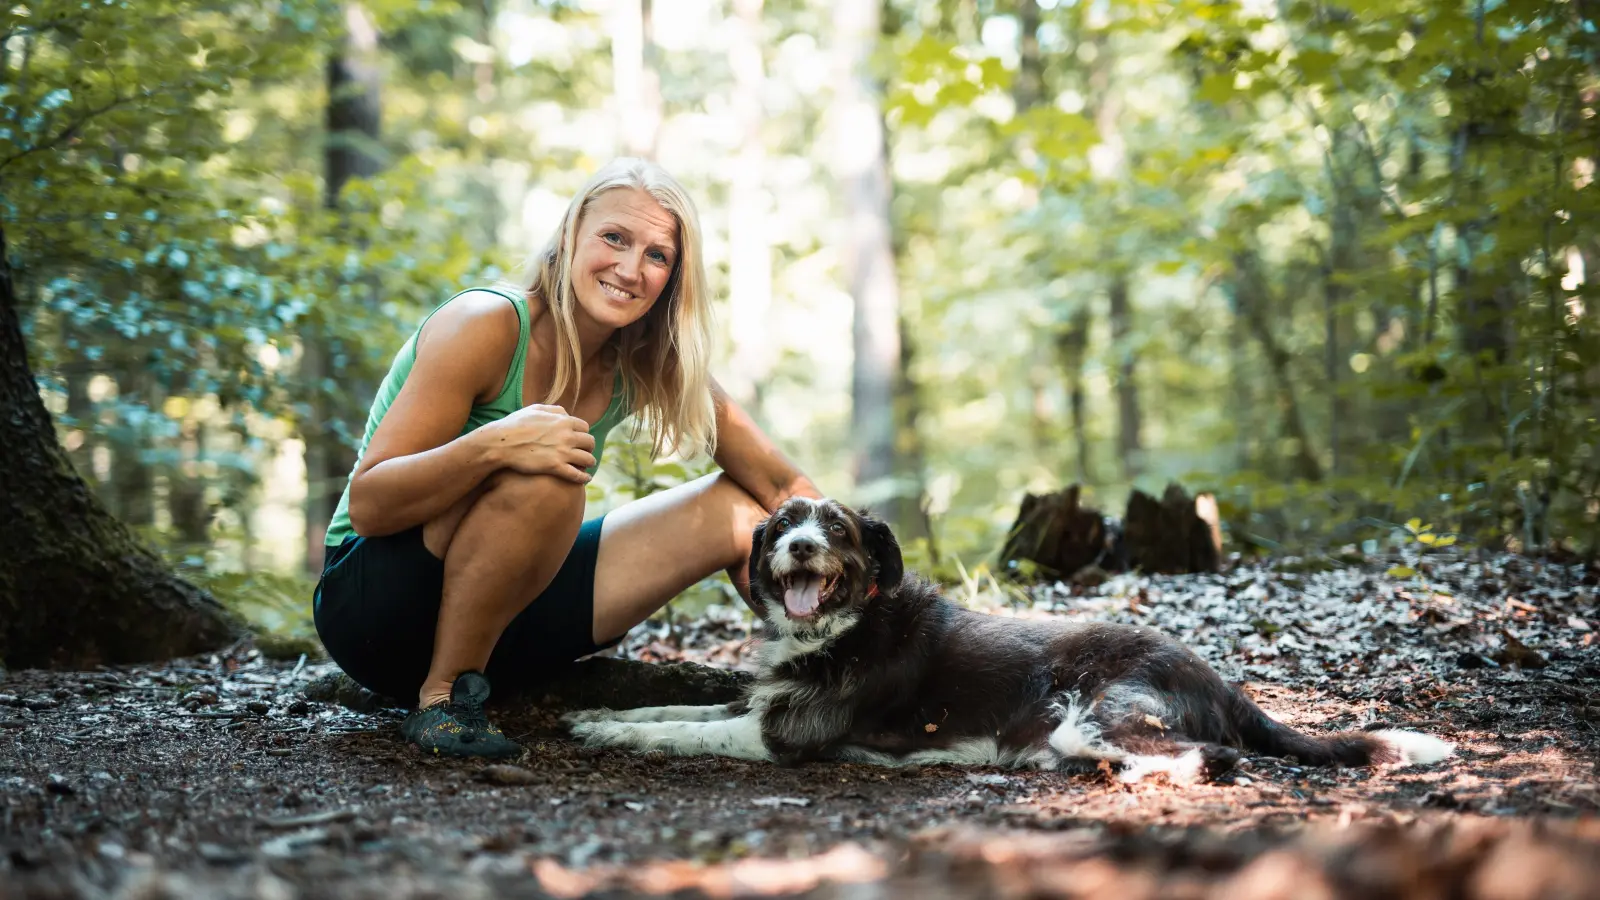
column 1347, row 748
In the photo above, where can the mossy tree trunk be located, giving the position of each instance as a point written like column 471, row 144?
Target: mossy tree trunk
column 76, row 588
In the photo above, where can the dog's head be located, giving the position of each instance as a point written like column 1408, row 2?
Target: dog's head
column 813, row 560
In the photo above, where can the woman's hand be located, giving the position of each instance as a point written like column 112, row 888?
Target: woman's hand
column 543, row 440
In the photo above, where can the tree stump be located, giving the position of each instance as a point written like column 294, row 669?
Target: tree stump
column 1173, row 535
column 1057, row 534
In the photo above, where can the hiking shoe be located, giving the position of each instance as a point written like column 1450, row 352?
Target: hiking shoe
column 459, row 727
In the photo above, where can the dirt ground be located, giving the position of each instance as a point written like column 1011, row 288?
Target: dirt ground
column 216, row 777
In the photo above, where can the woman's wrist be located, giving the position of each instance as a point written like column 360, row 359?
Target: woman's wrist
column 487, row 449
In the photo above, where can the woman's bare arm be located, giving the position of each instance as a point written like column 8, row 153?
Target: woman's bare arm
column 752, row 459
column 418, row 464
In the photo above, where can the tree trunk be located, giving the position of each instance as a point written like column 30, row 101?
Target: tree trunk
column 132, row 481
column 862, row 169
column 1249, row 303
column 1029, row 86
column 749, row 245
column 1072, row 344
column 1339, row 263
column 76, row 589
column 1129, row 449
column 634, row 84
column 352, row 134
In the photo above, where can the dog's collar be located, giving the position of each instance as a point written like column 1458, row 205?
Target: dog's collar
column 872, row 591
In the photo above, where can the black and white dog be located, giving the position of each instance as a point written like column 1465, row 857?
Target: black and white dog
column 864, row 664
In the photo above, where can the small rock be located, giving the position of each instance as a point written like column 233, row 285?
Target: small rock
column 259, row 707
column 502, row 773
column 1470, row 660
column 975, row 778
column 1573, row 622
column 9, row 700
column 299, row 708
column 1440, row 800
column 218, row 855
column 59, row 785
column 201, row 697
column 40, row 704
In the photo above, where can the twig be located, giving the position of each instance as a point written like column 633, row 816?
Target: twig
column 319, row 818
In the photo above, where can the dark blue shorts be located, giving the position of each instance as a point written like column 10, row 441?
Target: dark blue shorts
column 377, row 606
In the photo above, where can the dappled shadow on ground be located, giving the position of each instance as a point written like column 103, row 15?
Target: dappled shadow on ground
column 215, row 777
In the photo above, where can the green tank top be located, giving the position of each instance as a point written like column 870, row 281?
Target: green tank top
column 508, row 401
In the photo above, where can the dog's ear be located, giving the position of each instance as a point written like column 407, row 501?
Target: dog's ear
column 888, row 569
column 755, row 552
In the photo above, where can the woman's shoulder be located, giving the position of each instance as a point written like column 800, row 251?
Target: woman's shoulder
column 476, row 329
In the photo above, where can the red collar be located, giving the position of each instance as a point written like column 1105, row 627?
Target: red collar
column 872, row 590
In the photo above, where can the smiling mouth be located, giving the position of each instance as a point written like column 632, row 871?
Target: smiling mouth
column 616, row 292
column 805, row 592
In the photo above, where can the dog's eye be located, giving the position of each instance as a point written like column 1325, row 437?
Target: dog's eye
column 782, row 525
column 837, row 528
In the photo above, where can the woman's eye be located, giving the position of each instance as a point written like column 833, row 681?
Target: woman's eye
column 613, row 237
column 658, row 256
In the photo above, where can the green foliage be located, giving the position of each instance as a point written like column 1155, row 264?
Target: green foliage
column 1350, row 236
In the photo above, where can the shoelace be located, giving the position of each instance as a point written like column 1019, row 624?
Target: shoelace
column 469, row 714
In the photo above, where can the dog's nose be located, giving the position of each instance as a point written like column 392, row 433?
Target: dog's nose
column 802, row 548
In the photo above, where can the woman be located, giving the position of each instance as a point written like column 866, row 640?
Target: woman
column 459, row 552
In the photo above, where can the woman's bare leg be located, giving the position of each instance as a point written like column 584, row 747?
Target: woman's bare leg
column 501, row 547
column 653, row 549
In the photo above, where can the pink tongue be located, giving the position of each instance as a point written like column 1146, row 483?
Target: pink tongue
column 800, row 598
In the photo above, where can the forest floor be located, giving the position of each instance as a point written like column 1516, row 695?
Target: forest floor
column 215, row 776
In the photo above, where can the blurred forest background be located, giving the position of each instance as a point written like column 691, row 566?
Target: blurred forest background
column 1327, row 260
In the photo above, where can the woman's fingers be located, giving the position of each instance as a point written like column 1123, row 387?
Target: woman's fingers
column 573, row 474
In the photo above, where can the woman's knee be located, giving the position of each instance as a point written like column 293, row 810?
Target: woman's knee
column 513, row 493
column 743, row 510
column 511, row 496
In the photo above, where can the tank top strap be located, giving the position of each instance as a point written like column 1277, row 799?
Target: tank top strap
column 509, row 399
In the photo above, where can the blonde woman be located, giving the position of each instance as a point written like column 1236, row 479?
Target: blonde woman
column 459, row 552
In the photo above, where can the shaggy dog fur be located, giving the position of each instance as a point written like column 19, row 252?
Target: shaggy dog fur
column 865, row 664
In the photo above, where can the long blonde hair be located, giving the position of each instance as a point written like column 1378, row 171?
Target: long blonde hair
column 665, row 357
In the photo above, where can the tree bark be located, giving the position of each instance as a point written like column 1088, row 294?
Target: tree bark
column 76, row 588
column 1129, row 448
column 1072, row 343
column 1249, row 303
column 1029, row 86
column 353, row 120
column 861, row 166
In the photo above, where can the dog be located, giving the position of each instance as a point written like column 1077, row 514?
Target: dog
column 863, row 663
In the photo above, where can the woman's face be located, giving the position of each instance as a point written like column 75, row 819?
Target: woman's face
column 627, row 245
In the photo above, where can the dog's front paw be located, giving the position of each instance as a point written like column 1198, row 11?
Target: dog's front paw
column 579, row 716
column 599, row 732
